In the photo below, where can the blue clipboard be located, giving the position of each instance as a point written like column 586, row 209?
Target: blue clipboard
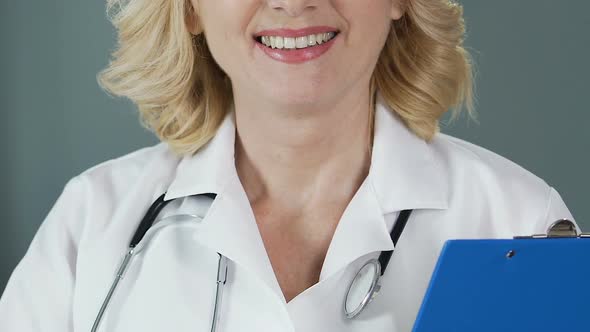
column 538, row 283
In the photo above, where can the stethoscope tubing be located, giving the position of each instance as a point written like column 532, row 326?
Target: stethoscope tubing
column 120, row 273
column 222, row 266
column 221, row 279
column 145, row 224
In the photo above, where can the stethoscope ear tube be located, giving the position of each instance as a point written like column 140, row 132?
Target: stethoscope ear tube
column 135, row 247
column 118, row 278
column 395, row 234
column 221, row 279
column 144, row 226
column 148, row 220
column 151, row 215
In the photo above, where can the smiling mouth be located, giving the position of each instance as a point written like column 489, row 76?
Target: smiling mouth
column 295, row 43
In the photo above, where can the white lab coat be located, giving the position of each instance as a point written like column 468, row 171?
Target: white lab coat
column 457, row 190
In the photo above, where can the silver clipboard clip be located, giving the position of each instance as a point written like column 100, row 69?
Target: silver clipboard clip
column 562, row 228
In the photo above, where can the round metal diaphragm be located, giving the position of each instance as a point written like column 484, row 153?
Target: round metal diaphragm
column 363, row 288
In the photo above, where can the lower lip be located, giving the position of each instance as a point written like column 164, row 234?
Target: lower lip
column 298, row 55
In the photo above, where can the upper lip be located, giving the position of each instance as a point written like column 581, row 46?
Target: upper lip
column 294, row 33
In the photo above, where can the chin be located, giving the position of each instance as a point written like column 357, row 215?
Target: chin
column 291, row 99
column 297, row 94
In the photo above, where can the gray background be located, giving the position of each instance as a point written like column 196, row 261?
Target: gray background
column 532, row 85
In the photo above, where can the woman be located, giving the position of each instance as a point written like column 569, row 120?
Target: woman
column 314, row 123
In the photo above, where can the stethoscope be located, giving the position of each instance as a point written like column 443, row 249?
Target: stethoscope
column 361, row 291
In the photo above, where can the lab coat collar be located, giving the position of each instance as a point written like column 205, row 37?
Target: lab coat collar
column 404, row 174
column 207, row 170
column 404, row 171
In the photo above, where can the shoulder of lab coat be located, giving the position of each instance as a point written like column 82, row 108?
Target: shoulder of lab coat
column 40, row 294
column 497, row 183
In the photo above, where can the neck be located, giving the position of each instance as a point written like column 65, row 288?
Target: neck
column 299, row 159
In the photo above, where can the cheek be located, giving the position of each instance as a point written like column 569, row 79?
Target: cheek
column 373, row 17
column 225, row 31
column 367, row 21
column 220, row 47
column 369, row 24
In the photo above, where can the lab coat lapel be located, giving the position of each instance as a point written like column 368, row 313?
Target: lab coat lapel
column 361, row 229
column 229, row 227
column 404, row 174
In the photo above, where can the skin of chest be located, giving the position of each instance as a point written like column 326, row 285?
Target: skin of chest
column 296, row 246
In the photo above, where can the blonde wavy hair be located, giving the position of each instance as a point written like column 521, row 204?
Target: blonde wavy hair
column 183, row 95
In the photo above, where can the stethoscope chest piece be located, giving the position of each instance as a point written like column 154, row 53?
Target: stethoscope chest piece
column 363, row 288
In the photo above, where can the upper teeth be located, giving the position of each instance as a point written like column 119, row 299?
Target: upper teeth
column 299, row 42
